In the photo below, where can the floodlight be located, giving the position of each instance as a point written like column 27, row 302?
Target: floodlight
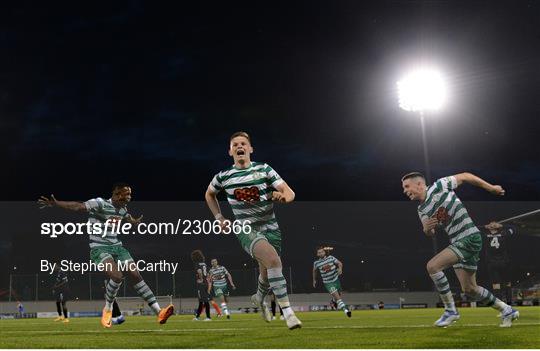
column 421, row 90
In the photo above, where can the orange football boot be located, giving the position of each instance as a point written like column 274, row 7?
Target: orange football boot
column 106, row 318
column 165, row 313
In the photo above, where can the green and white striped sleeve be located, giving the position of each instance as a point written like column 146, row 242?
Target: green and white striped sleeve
column 448, row 183
column 216, row 183
column 273, row 177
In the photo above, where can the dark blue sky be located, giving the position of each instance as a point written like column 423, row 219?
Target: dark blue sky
column 149, row 93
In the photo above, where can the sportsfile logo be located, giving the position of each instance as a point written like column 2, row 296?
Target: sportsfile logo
column 114, row 227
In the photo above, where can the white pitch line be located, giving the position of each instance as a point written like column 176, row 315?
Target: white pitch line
column 170, row 321
column 413, row 326
column 245, row 329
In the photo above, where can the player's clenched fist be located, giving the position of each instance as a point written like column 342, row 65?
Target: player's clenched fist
column 429, row 226
column 497, row 190
column 278, row 196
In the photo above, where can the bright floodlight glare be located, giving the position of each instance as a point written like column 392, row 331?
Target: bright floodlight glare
column 421, row 90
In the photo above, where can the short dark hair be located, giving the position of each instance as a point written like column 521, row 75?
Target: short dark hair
column 242, row 134
column 413, row 175
column 119, row 185
column 197, row 256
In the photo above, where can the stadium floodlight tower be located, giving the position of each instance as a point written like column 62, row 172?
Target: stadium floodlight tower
column 420, row 91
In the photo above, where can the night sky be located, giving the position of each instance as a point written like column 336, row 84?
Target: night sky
column 95, row 92
column 149, row 93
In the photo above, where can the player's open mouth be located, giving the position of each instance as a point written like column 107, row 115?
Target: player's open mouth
column 240, row 153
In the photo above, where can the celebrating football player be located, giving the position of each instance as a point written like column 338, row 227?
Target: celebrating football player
column 441, row 208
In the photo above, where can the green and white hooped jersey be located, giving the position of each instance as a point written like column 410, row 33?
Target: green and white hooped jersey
column 328, row 268
column 218, row 276
column 442, row 202
column 100, row 211
column 249, row 192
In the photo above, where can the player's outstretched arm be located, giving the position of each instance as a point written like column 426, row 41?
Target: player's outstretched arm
column 283, row 194
column 470, row 178
column 44, row 201
column 314, row 277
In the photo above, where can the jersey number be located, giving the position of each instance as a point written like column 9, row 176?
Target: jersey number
column 495, row 242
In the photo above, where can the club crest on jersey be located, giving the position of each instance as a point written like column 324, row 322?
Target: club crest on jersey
column 257, row 175
column 327, row 268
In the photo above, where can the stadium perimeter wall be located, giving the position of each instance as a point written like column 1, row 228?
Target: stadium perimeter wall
column 298, row 300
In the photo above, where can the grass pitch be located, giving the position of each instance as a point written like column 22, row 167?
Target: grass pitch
column 478, row 328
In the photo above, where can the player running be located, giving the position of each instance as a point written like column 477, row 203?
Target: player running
column 330, row 269
column 440, row 208
column 106, row 248
column 218, row 282
column 251, row 189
